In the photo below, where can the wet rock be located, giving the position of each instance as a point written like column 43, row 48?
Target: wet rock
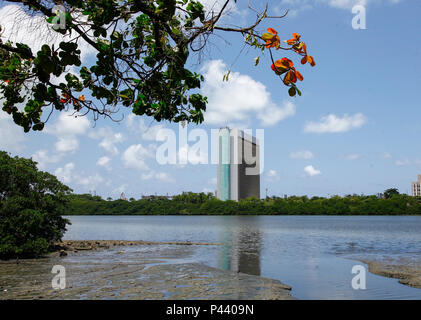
column 136, row 274
column 408, row 272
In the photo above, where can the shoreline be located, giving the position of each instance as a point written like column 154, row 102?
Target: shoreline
column 241, row 215
column 65, row 246
column 101, row 269
column 91, row 262
column 408, row 273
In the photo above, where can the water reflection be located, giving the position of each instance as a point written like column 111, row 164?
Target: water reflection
column 305, row 252
column 242, row 244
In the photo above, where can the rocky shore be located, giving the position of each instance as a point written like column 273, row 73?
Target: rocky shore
column 64, row 247
column 407, row 271
column 131, row 270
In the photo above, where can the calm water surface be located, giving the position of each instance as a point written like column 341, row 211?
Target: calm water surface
column 313, row 254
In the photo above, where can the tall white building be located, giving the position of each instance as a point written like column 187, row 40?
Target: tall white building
column 238, row 165
column 416, row 187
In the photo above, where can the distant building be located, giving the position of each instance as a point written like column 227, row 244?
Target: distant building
column 238, row 174
column 416, row 187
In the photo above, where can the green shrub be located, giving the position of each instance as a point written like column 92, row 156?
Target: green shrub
column 31, row 206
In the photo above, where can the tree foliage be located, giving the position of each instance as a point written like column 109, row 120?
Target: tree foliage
column 31, row 205
column 142, row 49
column 206, row 204
column 389, row 193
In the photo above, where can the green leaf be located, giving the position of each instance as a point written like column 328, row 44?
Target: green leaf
column 292, row 91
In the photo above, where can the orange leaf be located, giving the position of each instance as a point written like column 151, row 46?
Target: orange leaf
column 298, row 46
column 279, row 68
column 273, row 31
column 82, row 98
column 311, row 61
column 299, row 75
column 287, row 78
column 279, row 64
column 296, row 36
column 288, row 62
column 291, row 41
column 304, row 60
column 293, row 76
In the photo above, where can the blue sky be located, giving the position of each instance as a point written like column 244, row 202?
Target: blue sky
column 355, row 129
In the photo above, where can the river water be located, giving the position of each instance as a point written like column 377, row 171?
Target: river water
column 313, row 254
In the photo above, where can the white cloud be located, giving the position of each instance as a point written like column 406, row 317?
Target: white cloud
column 216, row 5
column 187, row 154
column 345, row 4
column 148, row 176
column 352, row 156
column 208, row 190
column 104, row 162
column 406, row 162
column 18, row 26
column 69, row 124
column 386, row 155
column 65, row 174
column 401, row 163
column 119, row 190
column 135, row 157
column 311, row 171
column 108, row 143
column 67, row 144
column 161, row 176
column 147, row 131
column 109, row 139
column 213, row 7
column 272, row 175
column 273, row 114
column 11, row 135
column 240, row 99
column 67, row 127
column 305, row 154
column 297, row 5
column 43, row 158
column 89, row 182
column 334, row 124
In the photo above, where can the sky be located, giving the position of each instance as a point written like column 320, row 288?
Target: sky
column 355, row 129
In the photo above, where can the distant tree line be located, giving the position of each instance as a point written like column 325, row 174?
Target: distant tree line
column 388, row 203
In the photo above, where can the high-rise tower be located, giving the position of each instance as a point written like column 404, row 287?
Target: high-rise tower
column 416, row 187
column 238, row 165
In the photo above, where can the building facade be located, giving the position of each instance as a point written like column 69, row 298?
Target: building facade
column 416, row 187
column 238, row 174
